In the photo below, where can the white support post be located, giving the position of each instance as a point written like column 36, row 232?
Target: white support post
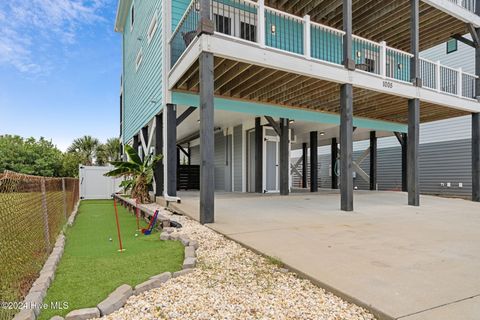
column 261, row 23
column 459, row 82
column 383, row 59
column 306, row 36
column 438, row 77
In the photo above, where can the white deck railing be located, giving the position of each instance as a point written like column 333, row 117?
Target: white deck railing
column 268, row 27
column 467, row 4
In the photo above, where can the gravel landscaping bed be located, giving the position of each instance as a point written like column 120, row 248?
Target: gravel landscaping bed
column 231, row 282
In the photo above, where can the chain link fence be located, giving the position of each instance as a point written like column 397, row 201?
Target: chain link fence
column 33, row 211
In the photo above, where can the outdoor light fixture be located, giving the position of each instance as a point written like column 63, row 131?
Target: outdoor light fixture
column 273, row 28
column 322, row 133
column 400, row 66
column 359, row 54
column 291, row 121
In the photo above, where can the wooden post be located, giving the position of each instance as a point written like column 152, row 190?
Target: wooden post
column 412, row 152
column 476, row 157
column 313, row 161
column 284, row 157
column 373, row 160
column 333, row 162
column 258, row 156
column 171, row 148
column 383, row 59
column 46, row 231
column 404, row 162
column 207, row 167
column 159, row 180
column 348, row 62
column 415, row 43
column 145, row 140
column 261, row 23
column 64, row 192
column 135, row 143
column 304, row 165
column 306, row 37
column 346, row 147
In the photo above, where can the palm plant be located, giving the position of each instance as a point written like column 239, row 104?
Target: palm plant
column 139, row 173
column 86, row 147
column 111, row 149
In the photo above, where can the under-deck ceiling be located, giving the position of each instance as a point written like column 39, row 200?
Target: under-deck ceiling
column 244, row 81
column 386, row 20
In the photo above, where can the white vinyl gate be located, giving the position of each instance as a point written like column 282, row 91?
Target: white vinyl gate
column 94, row 185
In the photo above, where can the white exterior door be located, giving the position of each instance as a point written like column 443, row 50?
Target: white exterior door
column 271, row 157
column 94, row 185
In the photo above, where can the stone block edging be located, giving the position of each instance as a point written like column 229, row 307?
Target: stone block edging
column 34, row 299
column 119, row 296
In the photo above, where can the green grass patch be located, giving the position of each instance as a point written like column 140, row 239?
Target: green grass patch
column 91, row 266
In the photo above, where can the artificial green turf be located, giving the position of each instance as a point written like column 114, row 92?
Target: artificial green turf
column 91, row 266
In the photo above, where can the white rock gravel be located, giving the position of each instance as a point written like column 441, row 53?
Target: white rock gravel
column 231, row 282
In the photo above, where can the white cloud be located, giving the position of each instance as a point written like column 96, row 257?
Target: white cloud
column 31, row 27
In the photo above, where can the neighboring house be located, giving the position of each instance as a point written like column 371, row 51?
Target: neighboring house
column 232, row 88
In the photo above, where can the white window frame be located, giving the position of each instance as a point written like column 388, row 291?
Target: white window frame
column 132, row 15
column 152, row 28
column 138, row 59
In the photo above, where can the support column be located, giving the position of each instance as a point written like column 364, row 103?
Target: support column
column 258, row 155
column 412, row 152
column 159, row 150
column 304, row 165
column 348, row 62
column 346, row 147
column 313, row 161
column 333, row 161
column 476, row 157
column 373, row 160
column 415, row 43
column 207, row 169
column 404, row 162
column 477, row 59
column 171, row 146
column 135, row 143
column 284, row 157
column 145, row 139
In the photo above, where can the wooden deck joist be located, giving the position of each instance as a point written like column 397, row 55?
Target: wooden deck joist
column 387, row 20
column 244, row 81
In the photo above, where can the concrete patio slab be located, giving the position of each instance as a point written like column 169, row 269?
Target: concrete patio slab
column 405, row 262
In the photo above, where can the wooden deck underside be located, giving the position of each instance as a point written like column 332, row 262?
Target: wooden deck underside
column 253, row 83
column 387, row 20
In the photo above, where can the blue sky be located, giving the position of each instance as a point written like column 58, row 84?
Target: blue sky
column 60, row 66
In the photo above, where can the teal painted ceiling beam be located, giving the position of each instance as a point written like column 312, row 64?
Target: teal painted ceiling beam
column 262, row 109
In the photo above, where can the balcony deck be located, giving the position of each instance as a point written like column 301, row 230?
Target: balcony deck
column 243, row 81
column 296, row 63
column 436, row 26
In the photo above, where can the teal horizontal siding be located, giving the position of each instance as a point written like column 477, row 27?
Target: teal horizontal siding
column 143, row 88
column 178, row 9
column 264, row 109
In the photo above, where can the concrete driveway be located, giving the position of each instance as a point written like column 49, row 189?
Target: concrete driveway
column 402, row 262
